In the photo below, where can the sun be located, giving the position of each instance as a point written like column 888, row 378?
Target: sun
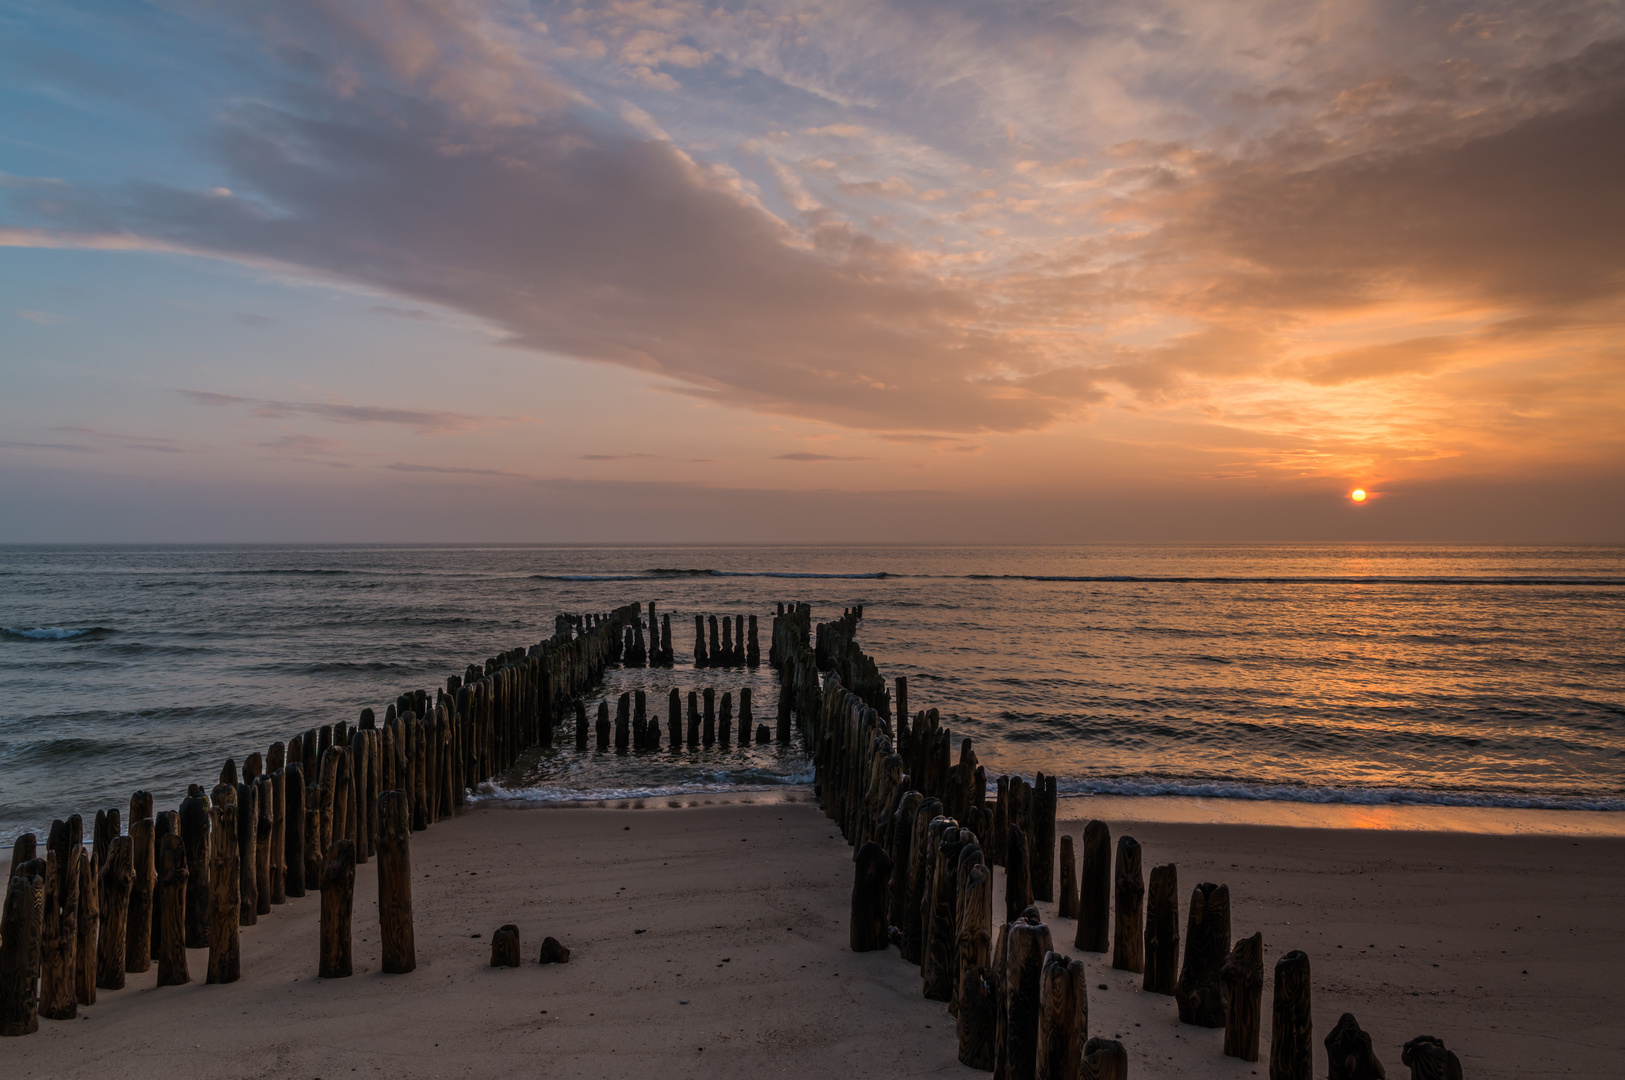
column 1358, row 494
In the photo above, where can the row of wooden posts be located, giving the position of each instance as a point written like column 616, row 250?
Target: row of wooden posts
column 735, row 646
column 924, row 881
column 74, row 922
column 636, row 728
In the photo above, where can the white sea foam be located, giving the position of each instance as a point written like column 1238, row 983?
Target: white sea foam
column 47, row 633
column 1351, row 796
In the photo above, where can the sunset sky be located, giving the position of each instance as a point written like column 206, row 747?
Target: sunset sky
column 935, row 271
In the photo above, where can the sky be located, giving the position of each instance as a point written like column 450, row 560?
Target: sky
column 940, row 271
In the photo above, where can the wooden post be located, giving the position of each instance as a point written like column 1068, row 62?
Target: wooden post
column 1242, row 981
column 361, row 808
column 1104, row 1059
column 553, row 952
column 939, row 953
column 747, row 722
column 1018, row 890
column 709, row 732
column 913, row 927
column 1128, row 947
column 1348, row 1052
column 172, row 877
column 225, row 888
column 717, row 657
column 505, row 946
column 138, row 929
column 603, row 725
column 313, row 835
column 20, row 928
column 1001, row 820
column 1292, row 1044
column 338, row 896
column 113, row 885
column 84, row 964
column 1026, row 945
column 1063, row 1017
column 293, row 828
column 868, row 928
column 1162, row 933
column 195, row 838
column 640, row 721
column 674, row 719
column 1068, row 908
column 753, row 650
column 1042, row 869
column 1095, row 896
column 623, row 723
column 1427, row 1058
column 164, row 823
column 276, row 766
column 976, row 1023
column 693, row 718
column 725, row 721
column 248, row 818
column 581, row 725
column 395, row 883
column 701, row 658
column 59, row 930
column 783, row 719
column 1207, row 943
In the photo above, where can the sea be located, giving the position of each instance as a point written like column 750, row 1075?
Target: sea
column 1356, row 674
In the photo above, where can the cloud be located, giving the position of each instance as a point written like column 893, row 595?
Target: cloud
column 424, row 422
column 804, row 456
column 613, row 457
column 453, row 470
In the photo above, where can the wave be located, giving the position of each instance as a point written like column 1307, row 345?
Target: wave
column 52, row 633
column 1229, row 789
column 666, row 573
column 555, row 793
column 662, row 574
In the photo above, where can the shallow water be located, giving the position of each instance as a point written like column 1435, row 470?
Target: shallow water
column 1352, row 674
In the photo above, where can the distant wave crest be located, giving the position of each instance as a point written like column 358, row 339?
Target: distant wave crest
column 1352, row 796
column 51, row 633
column 660, row 574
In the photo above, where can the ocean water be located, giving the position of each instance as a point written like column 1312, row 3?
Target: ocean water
column 1347, row 673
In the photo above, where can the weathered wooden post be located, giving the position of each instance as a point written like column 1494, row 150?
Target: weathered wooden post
column 165, row 823
column 710, row 694
column 701, row 657
column 113, row 885
column 138, row 929
column 1104, row 1059
column 338, row 896
column 248, row 820
column 1242, row 981
column 725, row 721
column 225, row 886
column 976, row 1023
column 674, row 719
column 1042, row 870
column 360, row 805
column 727, row 654
column 1348, row 1052
column 1068, row 908
column 1128, row 947
column 59, row 929
column 1095, row 896
column 785, row 706
column 313, row 834
column 505, row 946
column 172, row 877
column 1018, row 890
column 1063, row 1018
column 623, row 723
column 1429, row 1060
column 640, row 721
column 868, row 929
column 753, row 650
column 581, row 725
column 1162, row 932
column 395, row 883
column 195, row 837
column 20, row 947
column 1026, row 945
column 276, row 768
column 89, row 923
column 747, row 722
column 553, row 952
column 717, row 657
column 693, row 718
column 293, row 828
column 1292, row 1043
column 1207, row 943
column 1001, row 820
column 913, row 925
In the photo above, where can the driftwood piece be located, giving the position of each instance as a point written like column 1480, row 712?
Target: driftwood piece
column 1128, row 946
column 505, row 946
column 1348, row 1052
column 293, row 829
column 1104, row 1059
column 553, row 952
column 1026, row 945
column 395, row 883
column 1241, row 981
column 1207, row 944
column 59, row 929
column 21, row 921
column 338, row 897
column 1018, row 890
column 194, row 816
column 138, row 915
column 1068, row 908
column 1292, row 1041
column 113, row 887
column 1429, row 1060
column 1063, row 1018
column 172, row 878
column 1095, row 890
column 868, row 930
column 225, row 884
column 84, row 953
column 1162, row 933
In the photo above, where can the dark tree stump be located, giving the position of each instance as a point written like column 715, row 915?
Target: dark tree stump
column 1063, row 1018
column 195, row 837
column 1241, row 980
column 868, row 930
column 976, row 1024
column 1068, row 908
column 1348, row 1052
column 113, row 886
column 1429, row 1060
column 59, row 929
column 138, row 925
column 293, row 829
column 1128, row 947
column 172, row 878
column 1162, row 932
column 1104, row 1059
column 338, row 896
column 505, row 946
column 553, row 952
column 1207, row 943
column 1018, row 889
column 1095, row 893
column 1026, row 945
column 21, row 921
column 225, row 881
column 1292, row 1040
column 395, row 883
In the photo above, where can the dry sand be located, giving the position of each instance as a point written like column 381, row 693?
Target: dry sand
column 711, row 942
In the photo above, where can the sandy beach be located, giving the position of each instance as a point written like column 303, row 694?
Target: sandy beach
column 711, row 941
